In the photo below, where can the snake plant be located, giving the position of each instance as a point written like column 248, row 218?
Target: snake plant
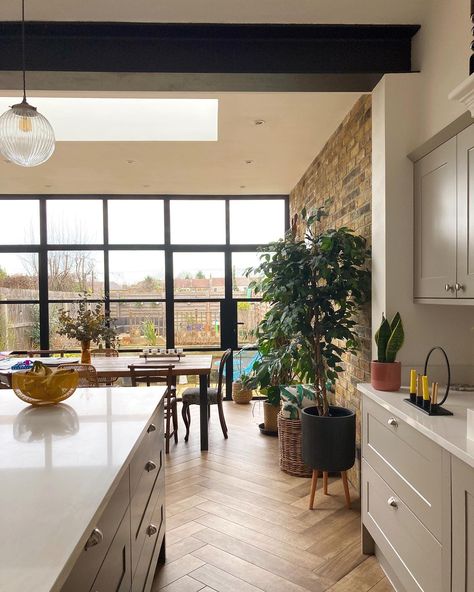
column 389, row 338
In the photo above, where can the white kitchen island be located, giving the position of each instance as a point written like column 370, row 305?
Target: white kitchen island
column 70, row 476
column 418, row 491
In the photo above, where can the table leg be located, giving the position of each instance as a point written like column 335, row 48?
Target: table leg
column 203, row 410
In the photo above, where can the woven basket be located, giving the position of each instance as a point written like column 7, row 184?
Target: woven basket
column 289, row 439
column 241, row 395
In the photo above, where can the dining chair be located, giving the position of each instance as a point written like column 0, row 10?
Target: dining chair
column 87, row 374
column 150, row 374
column 105, row 352
column 43, row 353
column 191, row 396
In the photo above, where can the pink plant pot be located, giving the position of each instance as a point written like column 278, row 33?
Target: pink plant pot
column 386, row 376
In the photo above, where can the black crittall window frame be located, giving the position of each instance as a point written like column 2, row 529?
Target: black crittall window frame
column 228, row 304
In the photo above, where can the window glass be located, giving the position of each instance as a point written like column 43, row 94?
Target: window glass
column 19, row 326
column 72, row 273
column 19, row 276
column 256, row 221
column 249, row 315
column 199, row 222
column 136, row 221
column 139, row 324
column 75, row 222
column 137, row 274
column 198, row 275
column 240, row 282
column 20, row 222
column 197, row 324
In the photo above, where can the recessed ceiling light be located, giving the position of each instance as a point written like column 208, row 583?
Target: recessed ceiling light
column 146, row 186
column 129, row 161
column 243, row 186
column 249, row 161
column 48, row 186
column 259, row 122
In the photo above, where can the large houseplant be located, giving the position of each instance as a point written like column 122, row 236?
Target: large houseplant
column 89, row 324
column 317, row 282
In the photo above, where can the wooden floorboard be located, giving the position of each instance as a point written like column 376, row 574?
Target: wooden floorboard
column 236, row 523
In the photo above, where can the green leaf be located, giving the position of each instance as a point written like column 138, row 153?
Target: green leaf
column 384, row 333
column 396, row 341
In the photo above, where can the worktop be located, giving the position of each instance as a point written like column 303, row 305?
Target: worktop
column 449, row 432
column 59, row 466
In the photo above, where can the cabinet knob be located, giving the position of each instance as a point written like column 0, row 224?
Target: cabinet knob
column 392, row 502
column 151, row 428
column 151, row 530
column 459, row 287
column 150, row 466
column 95, row 538
column 393, row 422
column 449, row 287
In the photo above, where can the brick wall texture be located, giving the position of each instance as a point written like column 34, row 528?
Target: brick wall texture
column 341, row 172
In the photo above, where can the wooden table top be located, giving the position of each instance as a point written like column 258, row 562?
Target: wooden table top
column 187, row 365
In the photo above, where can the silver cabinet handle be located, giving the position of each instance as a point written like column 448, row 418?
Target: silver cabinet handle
column 150, row 466
column 458, row 287
column 151, row 530
column 449, row 287
column 151, row 428
column 392, row 422
column 392, row 502
column 95, row 539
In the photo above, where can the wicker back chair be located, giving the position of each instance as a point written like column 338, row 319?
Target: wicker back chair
column 191, row 396
column 87, row 374
column 151, row 374
column 105, row 352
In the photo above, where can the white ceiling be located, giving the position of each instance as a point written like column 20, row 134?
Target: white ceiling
column 297, row 125
column 220, row 11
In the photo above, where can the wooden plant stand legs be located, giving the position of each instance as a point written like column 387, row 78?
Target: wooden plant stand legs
column 314, row 482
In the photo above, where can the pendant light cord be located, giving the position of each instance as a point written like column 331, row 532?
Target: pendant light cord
column 23, row 48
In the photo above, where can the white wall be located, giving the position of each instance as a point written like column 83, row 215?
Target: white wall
column 407, row 110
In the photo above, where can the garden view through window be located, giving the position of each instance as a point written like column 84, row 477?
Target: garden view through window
column 169, row 270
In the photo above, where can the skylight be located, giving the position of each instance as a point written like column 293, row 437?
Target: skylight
column 128, row 120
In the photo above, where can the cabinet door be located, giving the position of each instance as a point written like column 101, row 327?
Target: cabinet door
column 465, row 274
column 115, row 573
column 435, row 223
column 463, row 526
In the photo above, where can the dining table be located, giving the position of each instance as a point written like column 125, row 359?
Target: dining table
column 118, row 367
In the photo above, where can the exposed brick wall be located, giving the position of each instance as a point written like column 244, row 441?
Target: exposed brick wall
column 341, row 172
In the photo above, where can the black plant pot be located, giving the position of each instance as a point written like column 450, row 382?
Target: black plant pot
column 328, row 442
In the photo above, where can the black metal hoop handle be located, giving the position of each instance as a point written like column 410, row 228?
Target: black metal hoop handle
column 448, row 366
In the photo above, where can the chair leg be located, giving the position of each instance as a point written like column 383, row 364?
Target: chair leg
column 346, row 489
column 187, row 419
column 325, row 482
column 167, row 430
column 208, row 413
column 314, row 482
column 220, row 409
column 175, row 421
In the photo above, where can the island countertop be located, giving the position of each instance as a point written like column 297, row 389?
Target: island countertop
column 58, row 467
column 450, row 432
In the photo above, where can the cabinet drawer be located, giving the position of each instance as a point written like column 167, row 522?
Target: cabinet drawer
column 115, row 573
column 412, row 551
column 414, row 467
column 150, row 486
column 155, row 529
column 88, row 564
column 149, row 449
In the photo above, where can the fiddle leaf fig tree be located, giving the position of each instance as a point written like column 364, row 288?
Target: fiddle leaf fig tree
column 315, row 285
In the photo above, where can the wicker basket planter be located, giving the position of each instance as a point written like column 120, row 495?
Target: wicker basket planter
column 240, row 395
column 289, row 440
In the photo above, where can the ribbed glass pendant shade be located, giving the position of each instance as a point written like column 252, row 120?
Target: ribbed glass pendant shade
column 26, row 137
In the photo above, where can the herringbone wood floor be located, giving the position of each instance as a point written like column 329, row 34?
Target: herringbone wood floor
column 236, row 523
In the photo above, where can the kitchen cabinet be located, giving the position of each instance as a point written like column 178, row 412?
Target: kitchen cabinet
column 444, row 222
column 463, row 526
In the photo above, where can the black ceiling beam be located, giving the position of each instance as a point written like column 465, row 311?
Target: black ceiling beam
column 208, row 48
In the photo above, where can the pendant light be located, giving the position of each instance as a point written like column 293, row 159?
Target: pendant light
column 26, row 137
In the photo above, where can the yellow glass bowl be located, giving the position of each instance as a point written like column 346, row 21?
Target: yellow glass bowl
column 45, row 390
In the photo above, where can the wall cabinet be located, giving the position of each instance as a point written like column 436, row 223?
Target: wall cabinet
column 463, row 526
column 444, row 222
